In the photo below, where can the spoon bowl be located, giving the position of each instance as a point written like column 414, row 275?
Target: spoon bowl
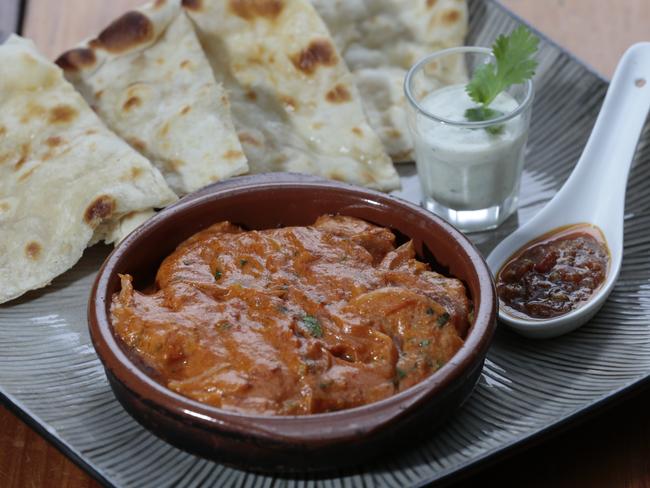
column 594, row 193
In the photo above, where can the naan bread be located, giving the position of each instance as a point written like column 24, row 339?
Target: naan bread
column 148, row 79
column 380, row 40
column 62, row 172
column 294, row 102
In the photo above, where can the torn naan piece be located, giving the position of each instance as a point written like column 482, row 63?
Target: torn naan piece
column 114, row 231
column 150, row 82
column 380, row 40
column 294, row 102
column 63, row 174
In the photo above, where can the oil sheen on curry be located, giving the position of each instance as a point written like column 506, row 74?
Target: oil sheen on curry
column 554, row 274
column 294, row 320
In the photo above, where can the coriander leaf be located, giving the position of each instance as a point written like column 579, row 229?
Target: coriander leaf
column 217, row 274
column 495, row 130
column 479, row 114
column 514, row 64
column 514, row 56
column 482, row 113
column 442, row 319
column 312, row 325
column 484, row 85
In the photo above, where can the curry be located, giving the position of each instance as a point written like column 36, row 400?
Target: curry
column 294, row 320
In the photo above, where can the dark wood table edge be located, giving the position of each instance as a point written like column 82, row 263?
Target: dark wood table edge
column 35, row 424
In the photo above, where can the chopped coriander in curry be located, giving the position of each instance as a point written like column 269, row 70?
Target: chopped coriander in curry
column 291, row 328
column 312, row 325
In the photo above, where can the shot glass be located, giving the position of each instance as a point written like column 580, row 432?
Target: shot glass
column 469, row 171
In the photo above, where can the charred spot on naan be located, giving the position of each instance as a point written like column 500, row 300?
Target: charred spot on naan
column 159, row 3
column 164, row 130
column 431, row 3
column 76, row 59
column 62, row 114
column 137, row 144
column 176, row 164
column 54, row 141
column 33, row 250
column 186, row 63
column 185, row 110
column 3, row 130
column 100, row 209
column 289, row 102
column 431, row 68
column 253, row 9
column 337, row 176
column 131, row 102
column 338, row 94
column 246, row 138
column 34, row 110
column 232, row 154
column 450, row 17
column 24, row 153
column 133, row 174
column 320, row 52
column 56, row 148
column 357, row 131
column 130, row 30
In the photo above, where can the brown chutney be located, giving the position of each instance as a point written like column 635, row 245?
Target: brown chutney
column 293, row 320
column 554, row 274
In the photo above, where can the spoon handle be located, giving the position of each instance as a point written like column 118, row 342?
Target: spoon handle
column 603, row 168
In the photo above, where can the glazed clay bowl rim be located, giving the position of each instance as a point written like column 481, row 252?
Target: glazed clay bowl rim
column 320, row 428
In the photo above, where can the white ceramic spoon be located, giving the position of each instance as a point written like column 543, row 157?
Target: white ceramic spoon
column 595, row 191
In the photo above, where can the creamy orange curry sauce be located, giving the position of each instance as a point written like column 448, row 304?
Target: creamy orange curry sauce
column 295, row 320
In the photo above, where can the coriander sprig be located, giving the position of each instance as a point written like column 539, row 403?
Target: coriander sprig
column 513, row 55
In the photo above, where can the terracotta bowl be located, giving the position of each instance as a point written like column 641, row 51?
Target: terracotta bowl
column 290, row 443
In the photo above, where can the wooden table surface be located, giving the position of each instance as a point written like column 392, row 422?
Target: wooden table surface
column 611, row 449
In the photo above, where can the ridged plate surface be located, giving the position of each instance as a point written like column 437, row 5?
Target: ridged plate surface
column 50, row 372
